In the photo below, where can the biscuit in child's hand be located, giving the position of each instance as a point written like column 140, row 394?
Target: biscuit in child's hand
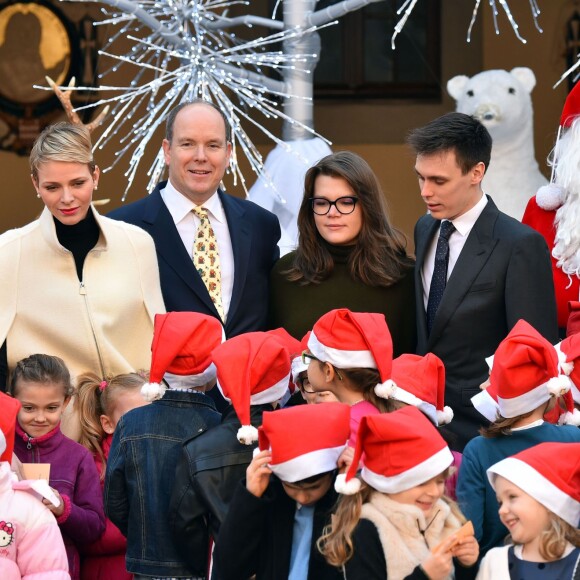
column 464, row 531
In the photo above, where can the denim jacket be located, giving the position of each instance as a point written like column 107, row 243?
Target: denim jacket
column 140, row 472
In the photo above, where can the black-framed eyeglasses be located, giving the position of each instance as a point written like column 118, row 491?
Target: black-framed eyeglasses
column 304, row 385
column 344, row 205
column 307, row 355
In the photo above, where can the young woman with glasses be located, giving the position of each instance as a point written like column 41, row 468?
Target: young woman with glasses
column 348, row 254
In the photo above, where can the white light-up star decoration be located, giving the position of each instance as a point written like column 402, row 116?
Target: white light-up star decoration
column 185, row 49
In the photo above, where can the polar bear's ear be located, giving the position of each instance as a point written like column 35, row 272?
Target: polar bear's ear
column 526, row 77
column 456, row 85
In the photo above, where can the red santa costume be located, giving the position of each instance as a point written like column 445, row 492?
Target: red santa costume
column 555, row 210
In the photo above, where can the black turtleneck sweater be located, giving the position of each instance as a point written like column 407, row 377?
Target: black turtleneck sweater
column 79, row 239
column 297, row 307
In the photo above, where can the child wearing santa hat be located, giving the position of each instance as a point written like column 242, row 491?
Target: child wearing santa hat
column 253, row 373
column 396, row 522
column 31, row 544
column 539, row 494
column 287, row 499
column 349, row 354
column 526, row 380
column 147, row 443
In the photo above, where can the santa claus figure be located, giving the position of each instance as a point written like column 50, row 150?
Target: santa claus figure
column 555, row 211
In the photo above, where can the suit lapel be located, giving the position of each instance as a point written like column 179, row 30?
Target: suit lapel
column 425, row 232
column 170, row 247
column 241, row 236
column 475, row 253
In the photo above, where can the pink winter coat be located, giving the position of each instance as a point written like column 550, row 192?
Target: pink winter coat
column 31, row 545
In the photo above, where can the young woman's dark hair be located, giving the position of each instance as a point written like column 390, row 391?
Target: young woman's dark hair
column 379, row 258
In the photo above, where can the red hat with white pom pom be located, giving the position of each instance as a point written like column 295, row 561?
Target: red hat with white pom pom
column 420, row 381
column 548, row 472
column 348, row 339
column 401, row 450
column 9, row 408
column 551, row 196
column 526, row 371
column 252, row 369
column 323, row 431
column 294, row 347
column 182, row 345
column 569, row 351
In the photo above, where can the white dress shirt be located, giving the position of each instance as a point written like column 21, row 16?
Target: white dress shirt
column 463, row 225
column 187, row 223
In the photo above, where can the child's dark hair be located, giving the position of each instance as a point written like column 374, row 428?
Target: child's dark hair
column 502, row 426
column 313, row 478
column 41, row 368
column 96, row 397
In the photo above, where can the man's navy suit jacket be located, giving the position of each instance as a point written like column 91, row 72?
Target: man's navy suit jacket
column 254, row 233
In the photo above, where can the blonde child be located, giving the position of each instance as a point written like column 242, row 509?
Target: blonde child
column 31, row 545
column 100, row 404
column 538, row 491
column 42, row 385
column 397, row 523
column 525, row 379
column 348, row 354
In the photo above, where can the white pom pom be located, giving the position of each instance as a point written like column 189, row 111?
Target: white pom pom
column 572, row 418
column 346, row 487
column 444, row 417
column 567, row 367
column 247, row 434
column 256, row 451
column 559, row 385
column 153, row 391
column 385, row 390
column 550, row 196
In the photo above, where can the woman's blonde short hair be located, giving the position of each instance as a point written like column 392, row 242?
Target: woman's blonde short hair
column 62, row 142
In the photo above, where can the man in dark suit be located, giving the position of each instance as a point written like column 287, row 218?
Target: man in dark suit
column 197, row 152
column 476, row 278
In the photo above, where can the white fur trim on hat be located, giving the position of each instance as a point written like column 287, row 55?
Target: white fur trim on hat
column 308, row 464
column 536, row 485
column 417, row 475
column 485, row 405
column 575, row 393
column 297, row 367
column 271, row 394
column 191, row 381
column 531, row 400
column 489, row 361
column 2, row 442
column 570, row 418
column 346, row 487
column 247, row 434
column 550, row 196
column 446, row 416
column 343, row 359
column 153, row 391
column 390, row 390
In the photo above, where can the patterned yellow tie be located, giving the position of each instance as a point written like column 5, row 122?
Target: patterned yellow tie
column 206, row 258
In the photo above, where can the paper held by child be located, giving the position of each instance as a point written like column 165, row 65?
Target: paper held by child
column 463, row 532
column 35, row 471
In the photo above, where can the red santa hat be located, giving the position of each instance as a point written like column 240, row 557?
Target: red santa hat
column 419, row 381
column 252, row 369
column 305, row 440
column 9, row 408
column 548, row 472
column 348, row 339
column 551, row 196
column 401, row 450
column 569, row 354
column 526, row 371
column 294, row 347
column 182, row 346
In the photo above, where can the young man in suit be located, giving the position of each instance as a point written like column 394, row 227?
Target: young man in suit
column 197, row 152
column 478, row 271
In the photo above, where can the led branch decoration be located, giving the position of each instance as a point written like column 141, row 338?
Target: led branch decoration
column 186, row 49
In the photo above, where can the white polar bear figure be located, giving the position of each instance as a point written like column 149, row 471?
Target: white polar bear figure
column 501, row 101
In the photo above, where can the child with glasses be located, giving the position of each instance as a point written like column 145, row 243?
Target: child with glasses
column 348, row 255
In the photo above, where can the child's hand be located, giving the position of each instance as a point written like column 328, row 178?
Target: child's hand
column 438, row 565
column 466, row 551
column 258, row 474
column 345, row 459
column 57, row 511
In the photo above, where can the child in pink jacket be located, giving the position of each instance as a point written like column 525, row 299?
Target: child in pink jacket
column 31, row 545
